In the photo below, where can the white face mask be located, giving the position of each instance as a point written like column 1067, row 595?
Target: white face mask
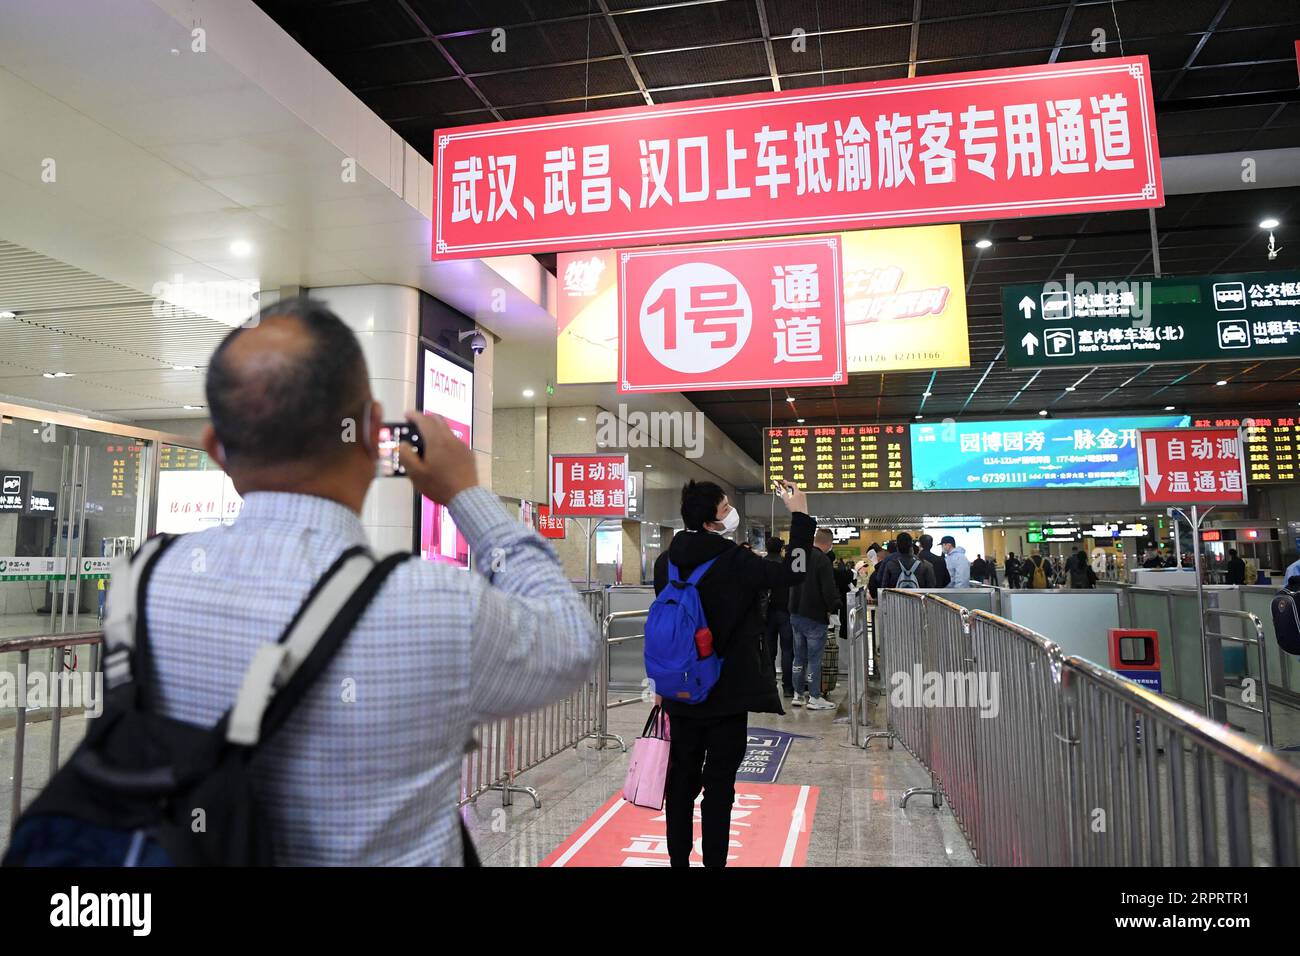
column 730, row 523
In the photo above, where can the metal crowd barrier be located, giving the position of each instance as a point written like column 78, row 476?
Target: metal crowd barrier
column 1061, row 762
column 1217, row 691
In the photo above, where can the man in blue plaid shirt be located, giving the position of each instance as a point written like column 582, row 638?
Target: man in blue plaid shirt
column 367, row 769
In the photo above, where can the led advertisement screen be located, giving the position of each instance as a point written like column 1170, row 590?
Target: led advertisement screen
column 1036, row 453
column 447, row 390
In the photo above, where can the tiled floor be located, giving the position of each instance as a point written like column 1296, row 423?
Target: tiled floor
column 858, row 821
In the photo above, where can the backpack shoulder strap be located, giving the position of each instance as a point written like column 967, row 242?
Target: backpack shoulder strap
column 700, row 571
column 126, row 644
column 280, row 674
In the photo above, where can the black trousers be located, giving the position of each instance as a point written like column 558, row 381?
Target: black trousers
column 705, row 753
column 780, row 636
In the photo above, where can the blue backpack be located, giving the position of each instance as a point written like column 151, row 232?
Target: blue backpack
column 672, row 661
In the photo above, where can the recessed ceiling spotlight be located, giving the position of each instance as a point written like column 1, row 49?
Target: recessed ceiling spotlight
column 193, row 408
column 1069, row 388
column 1043, row 413
column 56, row 374
column 926, row 394
column 984, row 244
column 919, row 417
column 1269, row 223
column 241, row 248
column 529, row 393
column 6, row 314
column 582, row 418
column 649, row 466
column 1222, row 381
column 1024, row 238
column 1169, row 408
column 790, row 399
column 800, row 421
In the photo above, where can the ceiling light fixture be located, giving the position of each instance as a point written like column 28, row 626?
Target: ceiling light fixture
column 529, row 393
column 926, row 394
column 193, row 408
column 1169, row 408
column 1042, row 413
column 1069, row 388
column 799, row 421
column 984, row 244
column 241, row 248
column 1222, row 381
column 1269, row 223
column 582, row 418
column 56, row 374
column 6, row 314
column 790, row 399
column 919, row 417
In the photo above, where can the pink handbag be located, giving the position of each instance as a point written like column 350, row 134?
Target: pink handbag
column 647, row 771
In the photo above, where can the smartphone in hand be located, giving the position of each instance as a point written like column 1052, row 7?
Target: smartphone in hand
column 391, row 436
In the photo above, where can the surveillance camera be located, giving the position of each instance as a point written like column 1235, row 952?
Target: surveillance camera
column 477, row 340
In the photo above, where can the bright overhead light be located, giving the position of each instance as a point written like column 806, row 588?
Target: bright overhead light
column 649, row 466
column 800, row 421
column 1069, row 388
column 241, row 248
column 582, row 418
column 56, row 374
column 790, row 399
column 6, row 314
column 1024, row 238
column 192, row 408
column 1169, row 408
column 529, row 393
column 1043, row 413
column 984, row 244
column 1222, row 381
column 919, row 417
column 1269, row 223
column 926, row 394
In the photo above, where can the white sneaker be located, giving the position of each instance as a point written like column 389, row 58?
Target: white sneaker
column 820, row 703
column 796, row 700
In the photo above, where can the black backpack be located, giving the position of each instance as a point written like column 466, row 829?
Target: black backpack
column 143, row 789
column 1286, row 621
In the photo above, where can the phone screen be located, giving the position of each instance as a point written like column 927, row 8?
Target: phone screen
column 391, row 436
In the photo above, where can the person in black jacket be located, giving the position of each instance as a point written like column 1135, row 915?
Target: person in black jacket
column 905, row 564
column 1236, row 569
column 778, row 634
column 941, row 576
column 811, row 607
column 708, row 738
column 843, row 581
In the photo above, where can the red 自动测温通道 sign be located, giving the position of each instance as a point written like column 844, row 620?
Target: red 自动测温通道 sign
column 1191, row 466
column 1040, row 140
column 731, row 315
column 588, row 486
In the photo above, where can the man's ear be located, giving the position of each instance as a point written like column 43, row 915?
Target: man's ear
column 373, row 423
column 212, row 445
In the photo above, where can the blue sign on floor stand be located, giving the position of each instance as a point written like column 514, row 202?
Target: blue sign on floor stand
column 765, row 752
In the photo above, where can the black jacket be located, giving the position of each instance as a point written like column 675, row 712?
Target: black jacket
column 779, row 599
column 893, row 570
column 979, row 570
column 843, row 580
column 729, row 594
column 1236, row 569
column 941, row 576
column 817, row 598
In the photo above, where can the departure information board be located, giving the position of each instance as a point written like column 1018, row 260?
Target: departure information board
column 840, row 457
column 1271, row 445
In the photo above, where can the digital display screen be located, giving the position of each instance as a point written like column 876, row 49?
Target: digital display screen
column 840, row 457
column 1271, row 445
column 1036, row 453
column 447, row 390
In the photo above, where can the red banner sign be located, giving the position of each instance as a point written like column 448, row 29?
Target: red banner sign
column 548, row 525
column 588, row 486
column 1191, row 466
column 1036, row 140
column 744, row 315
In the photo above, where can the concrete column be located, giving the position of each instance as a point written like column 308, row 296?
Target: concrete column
column 386, row 320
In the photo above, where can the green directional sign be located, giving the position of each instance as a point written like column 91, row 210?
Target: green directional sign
column 1087, row 322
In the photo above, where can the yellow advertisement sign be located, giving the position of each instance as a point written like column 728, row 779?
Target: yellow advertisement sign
column 904, row 292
